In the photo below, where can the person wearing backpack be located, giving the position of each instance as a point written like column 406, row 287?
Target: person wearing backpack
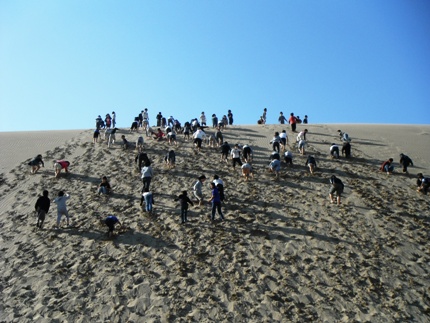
column 336, row 187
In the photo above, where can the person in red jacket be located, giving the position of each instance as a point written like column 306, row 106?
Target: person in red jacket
column 293, row 122
column 59, row 165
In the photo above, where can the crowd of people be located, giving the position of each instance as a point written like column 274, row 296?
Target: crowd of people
column 240, row 155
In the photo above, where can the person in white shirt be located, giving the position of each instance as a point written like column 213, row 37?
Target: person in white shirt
column 198, row 136
column 334, row 151
column 235, row 156
column 284, row 139
column 203, row 119
column 302, row 135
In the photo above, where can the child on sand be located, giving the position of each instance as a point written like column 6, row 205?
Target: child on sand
column 60, row 164
column 104, row 186
column 336, row 187
column 225, row 150
column 288, row 157
column 216, row 202
column 184, row 200
column 346, row 149
column 334, row 151
column 301, row 146
column 235, row 156
column 110, row 221
column 198, row 188
column 247, row 171
column 35, row 164
column 61, row 200
column 275, row 142
column 275, row 167
column 247, row 153
column 139, row 143
column 170, row 159
column 405, row 161
column 42, row 207
column 148, row 197
column 124, row 143
column 423, row 183
column 284, row 139
column 311, row 163
column 96, row 135
column 387, row 166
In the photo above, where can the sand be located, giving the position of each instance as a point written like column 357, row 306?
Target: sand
column 284, row 253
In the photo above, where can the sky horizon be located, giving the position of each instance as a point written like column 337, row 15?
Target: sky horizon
column 64, row 63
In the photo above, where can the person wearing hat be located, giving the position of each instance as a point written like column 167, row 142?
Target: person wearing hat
column 198, row 189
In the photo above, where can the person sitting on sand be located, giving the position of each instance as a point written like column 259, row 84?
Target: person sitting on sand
column 346, row 149
column 405, row 161
column 198, row 189
column 60, row 164
column 216, row 202
column 423, row 183
column 110, row 222
column 42, row 206
column 35, row 164
column 124, row 143
column 387, row 166
column 288, row 157
column 148, row 198
column 311, row 163
column 336, row 187
column 158, row 135
column 184, row 200
column 61, row 200
column 334, row 151
column 104, row 186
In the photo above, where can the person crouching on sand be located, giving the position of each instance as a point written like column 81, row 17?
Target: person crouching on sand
column 110, row 222
column 247, row 171
column 60, row 164
column 104, row 187
column 336, row 187
column 35, row 164
column 311, row 163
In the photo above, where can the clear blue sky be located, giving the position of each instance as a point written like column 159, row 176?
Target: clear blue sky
column 62, row 63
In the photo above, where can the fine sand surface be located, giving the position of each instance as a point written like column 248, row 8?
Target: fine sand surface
column 284, row 253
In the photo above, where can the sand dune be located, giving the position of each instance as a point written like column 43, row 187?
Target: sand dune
column 284, row 254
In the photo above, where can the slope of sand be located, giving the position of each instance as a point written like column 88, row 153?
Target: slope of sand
column 284, row 254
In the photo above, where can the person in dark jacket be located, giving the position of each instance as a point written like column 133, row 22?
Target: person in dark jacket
column 184, row 200
column 42, row 207
column 405, row 161
column 35, row 164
